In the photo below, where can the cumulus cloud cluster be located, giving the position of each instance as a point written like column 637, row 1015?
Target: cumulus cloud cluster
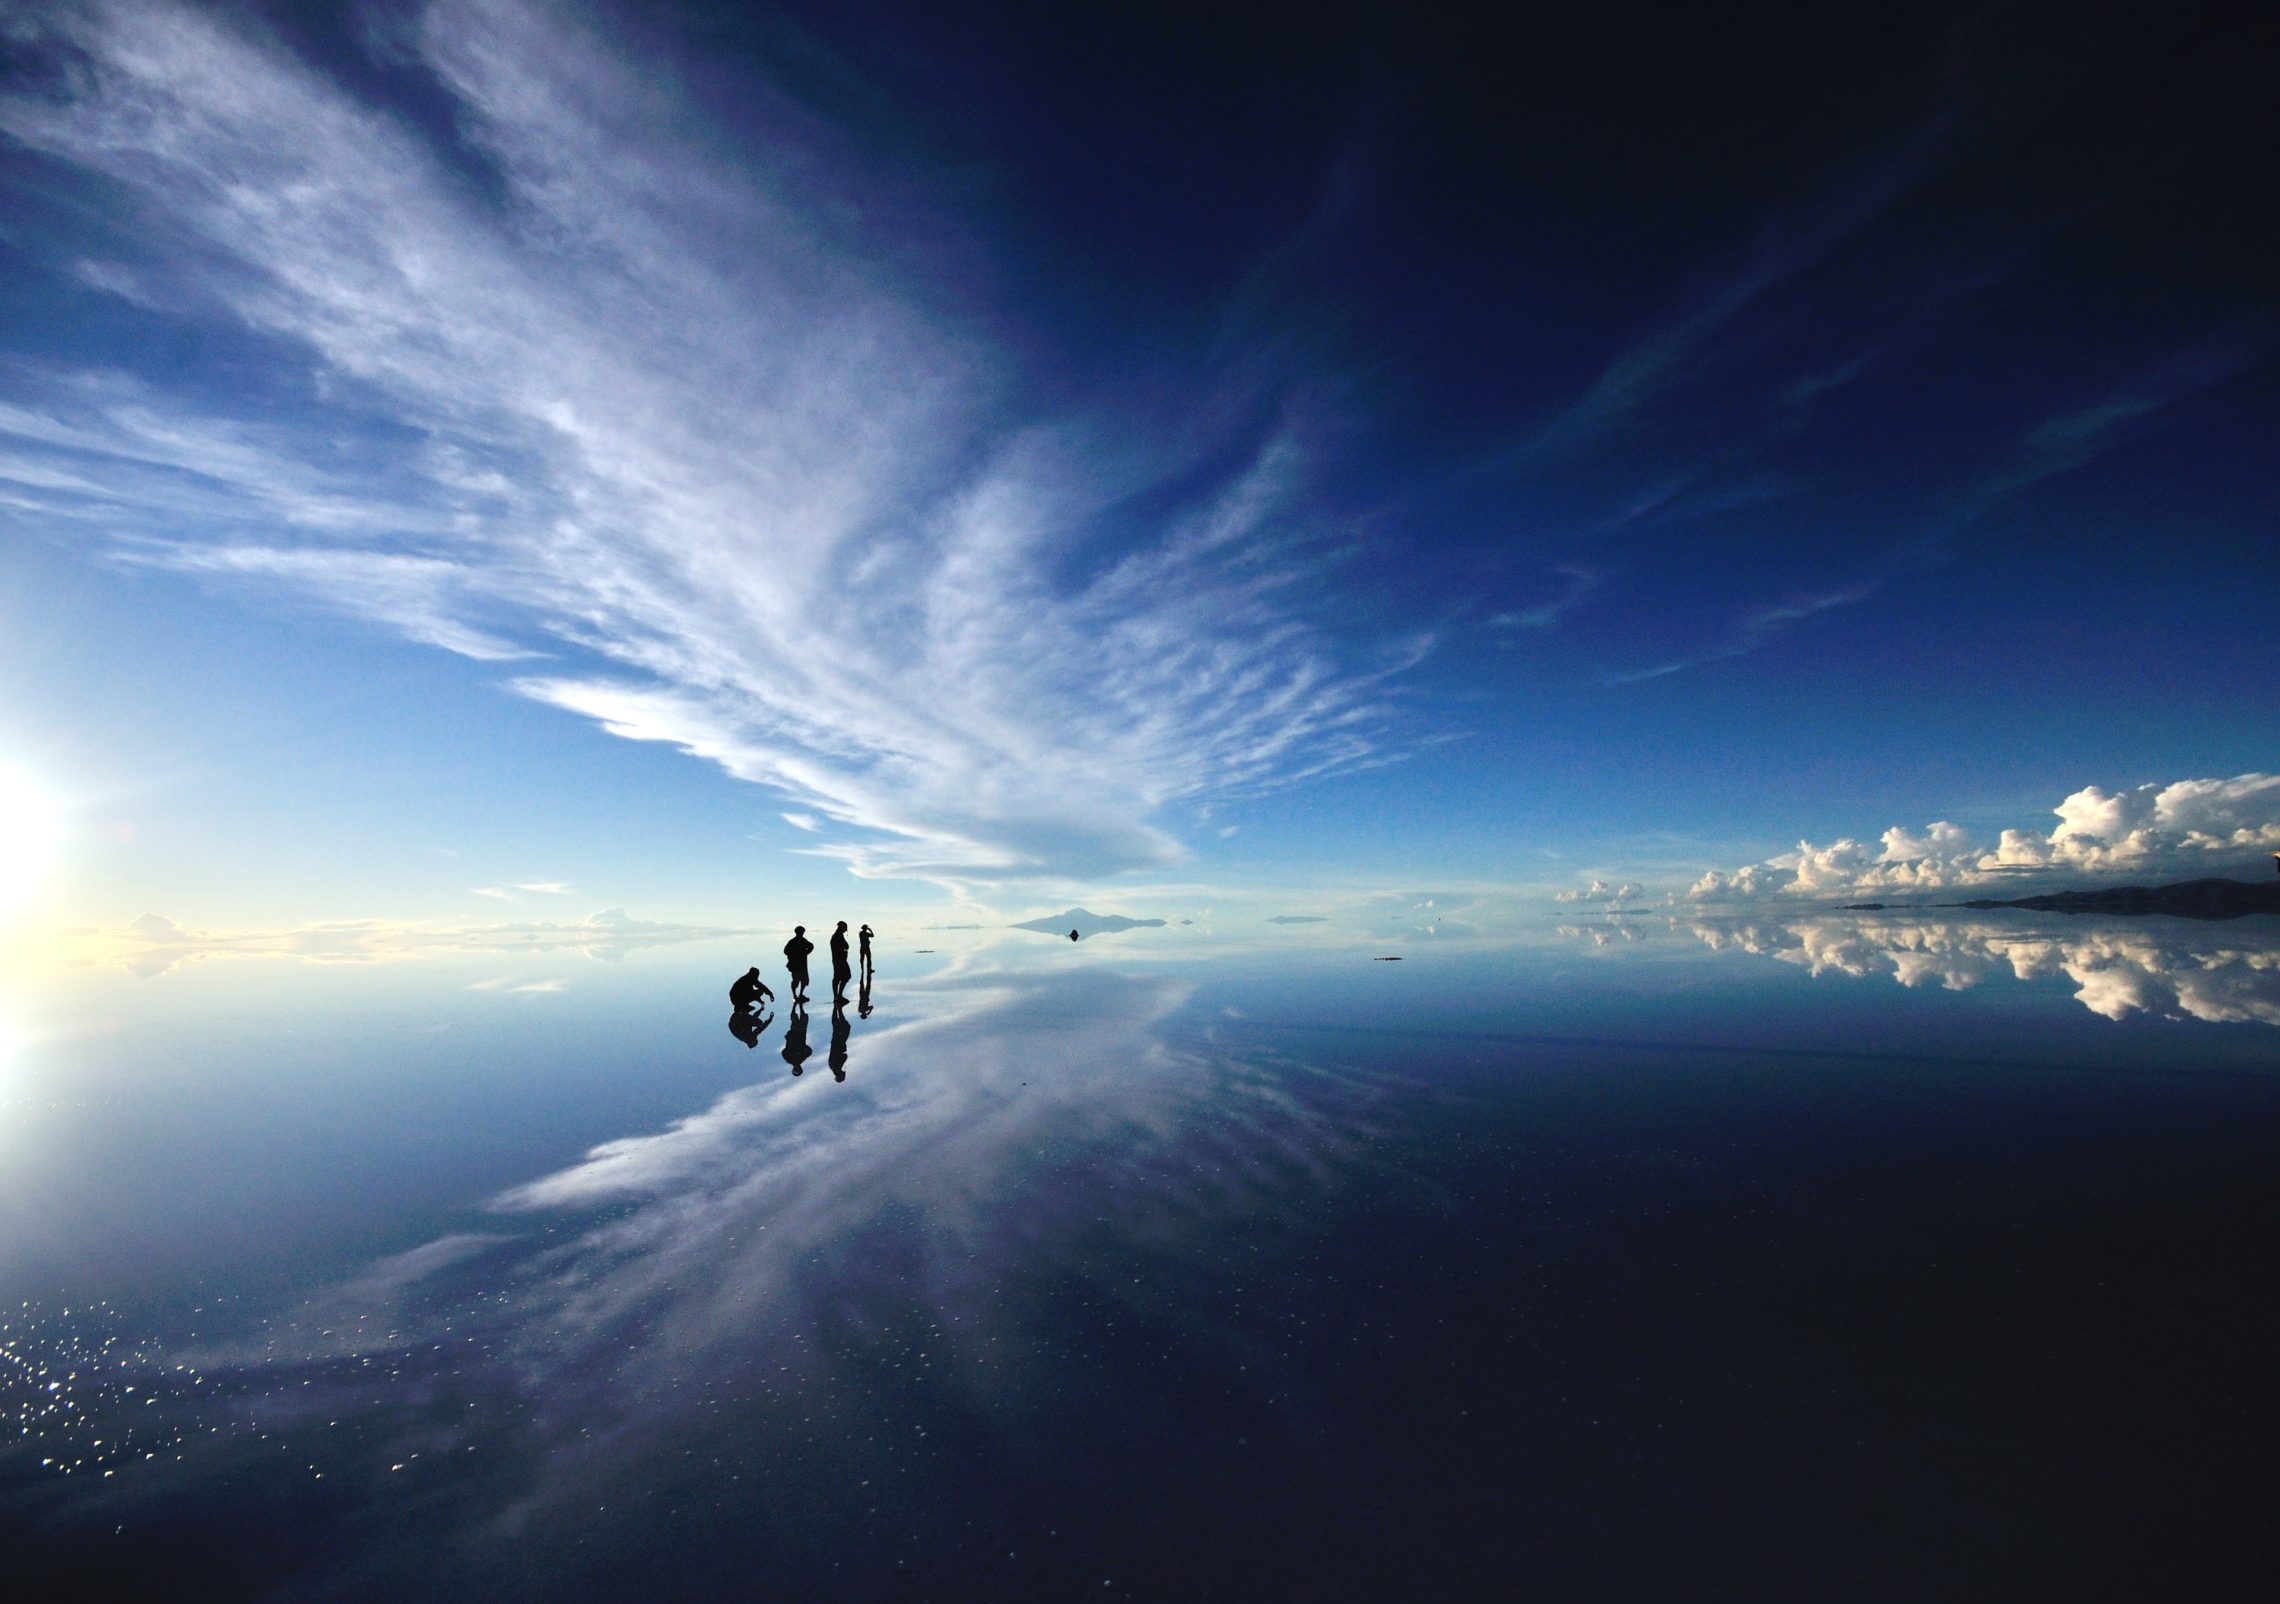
column 1600, row 891
column 692, row 436
column 2184, row 827
column 2226, row 977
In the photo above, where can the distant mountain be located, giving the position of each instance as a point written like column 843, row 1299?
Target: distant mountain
column 1299, row 919
column 2191, row 899
column 1084, row 923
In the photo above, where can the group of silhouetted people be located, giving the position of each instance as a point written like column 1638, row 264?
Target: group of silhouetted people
column 749, row 996
column 796, row 953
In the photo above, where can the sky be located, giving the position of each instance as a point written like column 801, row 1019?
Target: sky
column 501, row 460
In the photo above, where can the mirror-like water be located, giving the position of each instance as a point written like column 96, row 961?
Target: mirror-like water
column 1638, row 1259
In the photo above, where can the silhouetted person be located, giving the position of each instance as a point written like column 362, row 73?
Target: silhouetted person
column 796, row 953
column 863, row 952
column 749, row 990
column 745, row 1026
column 863, row 997
column 840, row 973
column 839, row 1030
column 796, row 1050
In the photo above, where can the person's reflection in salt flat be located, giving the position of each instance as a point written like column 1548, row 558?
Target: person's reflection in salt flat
column 796, row 1048
column 863, row 997
column 749, row 996
column 839, row 1030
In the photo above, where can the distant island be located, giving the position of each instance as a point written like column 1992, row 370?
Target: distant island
column 1091, row 924
column 2191, row 899
column 1299, row 919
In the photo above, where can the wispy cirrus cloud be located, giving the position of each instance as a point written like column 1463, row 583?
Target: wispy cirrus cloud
column 2074, row 437
column 1673, row 350
column 680, row 422
column 1754, row 628
column 1577, row 584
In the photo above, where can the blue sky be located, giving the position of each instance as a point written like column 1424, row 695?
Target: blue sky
column 492, row 455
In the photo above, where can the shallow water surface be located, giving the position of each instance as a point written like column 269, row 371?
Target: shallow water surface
column 1888, row 1258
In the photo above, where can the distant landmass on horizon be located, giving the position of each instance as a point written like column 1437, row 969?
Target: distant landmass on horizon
column 2212, row 898
column 1086, row 923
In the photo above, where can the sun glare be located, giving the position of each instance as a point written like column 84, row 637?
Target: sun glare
column 31, row 838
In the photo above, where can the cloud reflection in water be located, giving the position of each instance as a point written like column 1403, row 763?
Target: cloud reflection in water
column 2228, row 975
column 787, row 1251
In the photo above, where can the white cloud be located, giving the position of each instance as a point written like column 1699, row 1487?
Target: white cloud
column 1756, row 627
column 1601, row 891
column 2185, row 827
column 1580, row 582
column 1665, row 356
column 665, row 418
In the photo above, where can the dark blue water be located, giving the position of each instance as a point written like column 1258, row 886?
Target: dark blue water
column 1791, row 1261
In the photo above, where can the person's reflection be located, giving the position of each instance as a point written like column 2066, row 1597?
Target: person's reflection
column 746, row 1027
column 839, row 1030
column 796, row 1048
column 863, row 997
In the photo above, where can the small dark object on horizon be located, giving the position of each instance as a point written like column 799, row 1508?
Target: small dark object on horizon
column 1396, row 958
column 1072, row 935
column 1863, row 907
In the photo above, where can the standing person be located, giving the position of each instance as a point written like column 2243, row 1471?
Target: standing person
column 840, row 973
column 864, row 946
column 796, row 953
